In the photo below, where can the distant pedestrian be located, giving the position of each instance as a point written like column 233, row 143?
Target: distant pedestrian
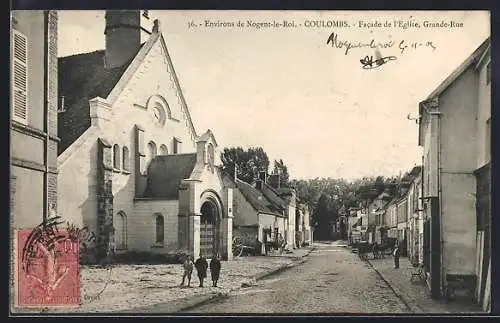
column 201, row 268
column 215, row 270
column 375, row 251
column 396, row 253
column 259, row 247
column 188, row 270
column 281, row 243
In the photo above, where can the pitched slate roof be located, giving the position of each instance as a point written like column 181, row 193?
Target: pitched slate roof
column 274, row 196
column 166, row 173
column 258, row 200
column 82, row 77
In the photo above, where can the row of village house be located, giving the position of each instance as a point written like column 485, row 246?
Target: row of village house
column 442, row 213
column 105, row 140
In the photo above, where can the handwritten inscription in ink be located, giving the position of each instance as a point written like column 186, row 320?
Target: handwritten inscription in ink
column 335, row 41
column 368, row 63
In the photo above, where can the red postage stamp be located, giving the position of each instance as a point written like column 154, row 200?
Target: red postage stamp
column 47, row 268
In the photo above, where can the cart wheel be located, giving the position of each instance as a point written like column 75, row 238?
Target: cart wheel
column 237, row 250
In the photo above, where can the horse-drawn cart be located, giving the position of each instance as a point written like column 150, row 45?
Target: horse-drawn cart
column 240, row 249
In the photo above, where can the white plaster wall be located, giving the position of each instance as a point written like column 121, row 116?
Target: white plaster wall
column 243, row 212
column 458, row 159
column 458, row 224
column 483, row 114
column 142, row 225
column 28, row 185
column 77, row 184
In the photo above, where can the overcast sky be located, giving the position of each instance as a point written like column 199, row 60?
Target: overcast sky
column 304, row 101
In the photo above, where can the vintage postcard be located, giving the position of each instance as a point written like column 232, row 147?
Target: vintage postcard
column 290, row 162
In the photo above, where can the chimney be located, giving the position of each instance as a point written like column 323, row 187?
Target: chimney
column 263, row 176
column 274, row 180
column 125, row 31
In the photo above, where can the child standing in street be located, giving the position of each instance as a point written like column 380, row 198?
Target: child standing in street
column 215, row 269
column 188, row 270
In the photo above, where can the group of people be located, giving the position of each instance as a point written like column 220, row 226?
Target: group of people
column 201, row 266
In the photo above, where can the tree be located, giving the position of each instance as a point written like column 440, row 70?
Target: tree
column 249, row 162
column 281, row 169
column 322, row 218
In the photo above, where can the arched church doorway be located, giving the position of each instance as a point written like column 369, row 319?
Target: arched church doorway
column 209, row 229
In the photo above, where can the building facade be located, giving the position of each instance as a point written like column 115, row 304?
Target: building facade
column 483, row 181
column 448, row 134
column 391, row 216
column 266, row 212
column 132, row 168
column 402, row 226
column 415, row 225
column 33, row 127
column 255, row 217
column 354, row 225
column 377, row 210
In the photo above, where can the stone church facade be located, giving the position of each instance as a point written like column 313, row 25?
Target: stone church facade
column 132, row 169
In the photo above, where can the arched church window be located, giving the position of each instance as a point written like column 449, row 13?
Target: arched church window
column 163, row 150
column 126, row 158
column 116, row 156
column 159, row 223
column 152, row 150
column 121, row 230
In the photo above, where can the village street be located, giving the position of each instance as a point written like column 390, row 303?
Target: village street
column 333, row 280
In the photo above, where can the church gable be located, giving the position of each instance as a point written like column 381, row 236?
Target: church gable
column 142, row 81
column 151, row 80
column 82, row 77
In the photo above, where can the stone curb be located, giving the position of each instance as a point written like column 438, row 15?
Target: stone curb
column 410, row 305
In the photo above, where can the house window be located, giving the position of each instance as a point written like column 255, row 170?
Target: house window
column 126, row 159
column 19, row 75
column 159, row 225
column 163, row 150
column 116, row 157
column 488, row 73
column 152, row 150
column 121, row 230
column 177, row 146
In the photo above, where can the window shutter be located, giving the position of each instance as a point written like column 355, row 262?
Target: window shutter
column 19, row 77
